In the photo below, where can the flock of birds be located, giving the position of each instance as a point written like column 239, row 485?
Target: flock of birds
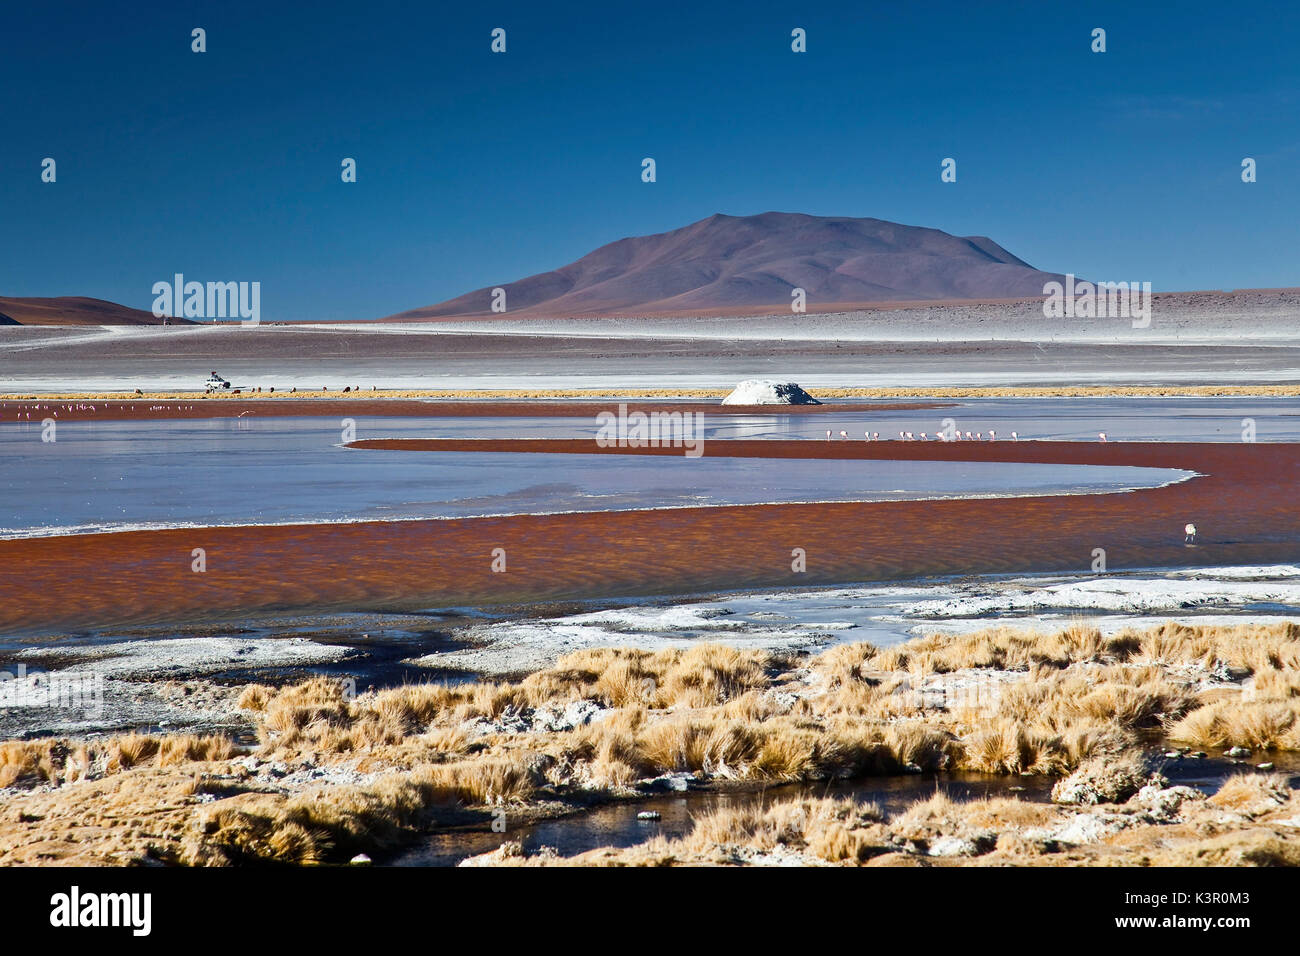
column 938, row 436
column 24, row 412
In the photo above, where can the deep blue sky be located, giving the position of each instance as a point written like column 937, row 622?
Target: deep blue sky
column 476, row 169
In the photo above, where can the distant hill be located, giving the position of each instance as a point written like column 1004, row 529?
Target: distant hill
column 73, row 310
column 726, row 263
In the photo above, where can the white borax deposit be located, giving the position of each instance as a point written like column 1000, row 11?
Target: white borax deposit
column 756, row 391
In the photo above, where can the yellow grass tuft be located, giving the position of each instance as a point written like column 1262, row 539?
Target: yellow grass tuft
column 1257, row 725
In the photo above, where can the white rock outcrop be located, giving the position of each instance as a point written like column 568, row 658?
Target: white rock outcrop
column 759, row 391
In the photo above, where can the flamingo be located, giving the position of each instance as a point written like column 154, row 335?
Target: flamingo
column 1015, row 437
column 909, row 436
column 828, row 434
column 923, row 438
column 1189, row 532
column 844, row 435
column 901, row 436
column 875, row 436
column 968, row 437
column 867, row 435
column 993, row 436
column 1101, row 435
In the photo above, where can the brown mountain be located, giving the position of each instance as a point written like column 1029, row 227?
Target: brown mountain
column 73, row 310
column 753, row 262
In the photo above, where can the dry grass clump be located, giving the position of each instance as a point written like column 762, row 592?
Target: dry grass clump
column 1001, row 647
column 24, row 761
column 1266, row 715
column 701, row 675
column 1253, row 647
column 1009, row 746
column 54, row 761
column 845, row 664
column 1051, row 723
column 785, row 748
column 188, row 748
column 311, row 703
column 123, row 753
column 1257, row 847
column 318, row 718
column 1257, row 725
column 1133, row 699
column 1275, row 684
column 1252, row 793
column 255, row 697
column 830, row 828
column 975, row 820
column 334, row 822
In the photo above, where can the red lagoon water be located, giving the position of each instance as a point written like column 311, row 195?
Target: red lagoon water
column 1244, row 505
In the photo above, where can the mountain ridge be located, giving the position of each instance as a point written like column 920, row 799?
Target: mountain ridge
column 73, row 310
column 729, row 262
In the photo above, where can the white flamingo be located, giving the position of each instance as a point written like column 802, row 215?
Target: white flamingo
column 1015, row 437
column 1189, row 532
column 844, row 434
column 828, row 434
column 1101, row 435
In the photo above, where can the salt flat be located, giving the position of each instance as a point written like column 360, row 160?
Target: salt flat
column 1193, row 338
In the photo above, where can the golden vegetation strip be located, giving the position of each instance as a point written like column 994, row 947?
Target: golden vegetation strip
column 332, row 776
column 825, row 394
